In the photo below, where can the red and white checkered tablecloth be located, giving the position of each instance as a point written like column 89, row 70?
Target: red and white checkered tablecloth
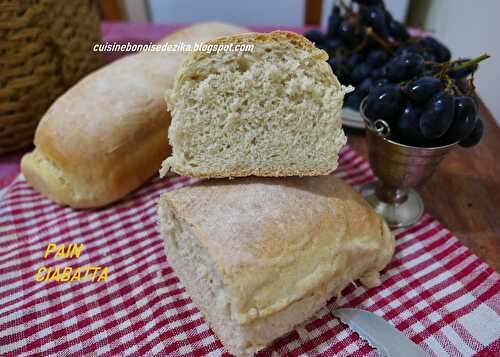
column 435, row 290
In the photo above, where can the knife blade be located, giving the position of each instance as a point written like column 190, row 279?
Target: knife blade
column 380, row 334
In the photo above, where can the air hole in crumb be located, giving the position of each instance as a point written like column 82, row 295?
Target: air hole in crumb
column 195, row 77
column 268, row 50
column 253, row 141
column 242, row 64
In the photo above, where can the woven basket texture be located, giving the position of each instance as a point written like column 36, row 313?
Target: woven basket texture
column 45, row 47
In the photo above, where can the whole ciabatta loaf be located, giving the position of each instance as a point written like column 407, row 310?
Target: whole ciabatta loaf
column 284, row 248
column 274, row 111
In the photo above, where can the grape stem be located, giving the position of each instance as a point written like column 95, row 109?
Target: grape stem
column 470, row 62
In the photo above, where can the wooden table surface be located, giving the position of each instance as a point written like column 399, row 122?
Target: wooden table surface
column 464, row 192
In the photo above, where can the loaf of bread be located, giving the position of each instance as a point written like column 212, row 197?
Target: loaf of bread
column 108, row 134
column 260, row 255
column 273, row 111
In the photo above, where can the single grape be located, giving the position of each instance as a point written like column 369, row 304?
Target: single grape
column 404, row 67
column 437, row 115
column 360, row 72
column 348, row 34
column 374, row 16
column 465, row 119
column 407, row 127
column 476, row 135
column 334, row 21
column 398, row 30
column 420, row 90
column 440, row 51
column 376, row 58
column 335, row 10
column 385, row 102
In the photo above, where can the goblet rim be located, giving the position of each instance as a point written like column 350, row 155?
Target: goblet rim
column 368, row 123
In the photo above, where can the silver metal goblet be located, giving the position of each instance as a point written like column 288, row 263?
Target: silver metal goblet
column 400, row 168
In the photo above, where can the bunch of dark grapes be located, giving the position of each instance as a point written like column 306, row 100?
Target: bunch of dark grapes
column 427, row 105
column 410, row 82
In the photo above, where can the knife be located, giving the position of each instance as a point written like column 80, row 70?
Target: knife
column 379, row 334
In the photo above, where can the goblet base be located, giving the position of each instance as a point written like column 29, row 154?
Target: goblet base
column 399, row 212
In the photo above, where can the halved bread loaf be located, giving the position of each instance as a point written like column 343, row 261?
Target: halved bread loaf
column 106, row 135
column 260, row 255
column 274, row 111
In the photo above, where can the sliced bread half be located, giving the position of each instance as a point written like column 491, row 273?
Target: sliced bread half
column 272, row 111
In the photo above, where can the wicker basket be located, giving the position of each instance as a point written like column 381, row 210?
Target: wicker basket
column 45, row 47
